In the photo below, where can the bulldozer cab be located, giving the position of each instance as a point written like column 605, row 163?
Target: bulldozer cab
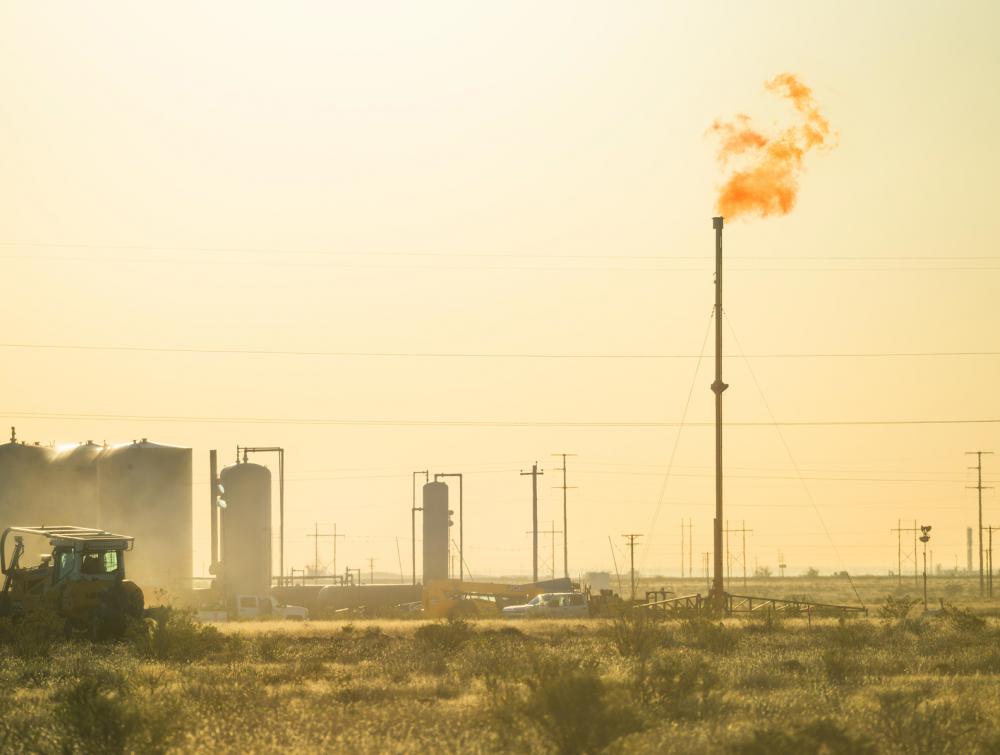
column 82, row 580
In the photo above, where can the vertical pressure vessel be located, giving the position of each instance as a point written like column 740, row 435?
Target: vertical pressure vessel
column 436, row 523
column 246, row 530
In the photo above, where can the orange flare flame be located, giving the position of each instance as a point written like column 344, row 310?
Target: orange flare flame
column 768, row 182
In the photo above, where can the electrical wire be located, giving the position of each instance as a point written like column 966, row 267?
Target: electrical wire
column 470, row 354
column 478, row 423
column 795, row 465
column 437, row 253
column 677, row 440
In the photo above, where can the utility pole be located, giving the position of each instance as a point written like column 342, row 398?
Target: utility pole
column 564, row 487
column 743, row 552
column 631, row 550
column 413, row 520
column 989, row 560
column 781, row 564
column 708, row 579
column 899, row 549
column 333, row 570
column 979, row 486
column 689, row 550
column 316, row 535
column 717, row 388
column 535, row 471
column 371, row 571
column 553, row 531
column 925, row 535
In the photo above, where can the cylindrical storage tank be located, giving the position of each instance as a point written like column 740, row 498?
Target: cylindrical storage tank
column 144, row 490
column 246, row 530
column 73, row 496
column 436, row 523
column 24, row 485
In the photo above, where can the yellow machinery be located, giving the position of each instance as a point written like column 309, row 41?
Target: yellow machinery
column 82, row 581
column 444, row 598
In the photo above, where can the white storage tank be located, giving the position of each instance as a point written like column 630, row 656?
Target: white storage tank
column 145, row 491
column 246, row 530
column 24, row 484
column 437, row 520
column 73, row 492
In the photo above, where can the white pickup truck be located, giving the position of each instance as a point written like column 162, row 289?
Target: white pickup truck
column 254, row 607
column 553, row 605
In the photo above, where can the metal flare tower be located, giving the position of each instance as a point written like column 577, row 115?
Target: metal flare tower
column 718, row 589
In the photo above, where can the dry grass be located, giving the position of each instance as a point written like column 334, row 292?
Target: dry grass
column 903, row 684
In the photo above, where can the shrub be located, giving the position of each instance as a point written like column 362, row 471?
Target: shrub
column 963, row 619
column 32, row 635
column 706, row 634
column 909, row 721
column 637, row 634
column 819, row 737
column 897, row 609
column 839, row 666
column 100, row 712
column 572, row 708
column 448, row 635
column 174, row 635
column 683, row 686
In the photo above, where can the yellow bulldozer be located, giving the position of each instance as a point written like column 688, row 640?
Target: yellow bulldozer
column 82, row 581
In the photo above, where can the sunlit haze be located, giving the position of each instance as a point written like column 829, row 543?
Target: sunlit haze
column 464, row 237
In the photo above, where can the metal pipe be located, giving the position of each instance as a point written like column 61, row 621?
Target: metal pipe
column 281, row 497
column 413, row 520
column 213, row 476
column 461, row 522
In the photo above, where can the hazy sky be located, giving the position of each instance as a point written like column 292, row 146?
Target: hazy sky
column 510, row 178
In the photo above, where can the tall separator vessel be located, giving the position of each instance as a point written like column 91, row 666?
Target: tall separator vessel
column 246, row 530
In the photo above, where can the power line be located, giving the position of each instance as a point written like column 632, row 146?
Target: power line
column 196, row 249
column 479, row 354
column 201, row 261
column 479, row 423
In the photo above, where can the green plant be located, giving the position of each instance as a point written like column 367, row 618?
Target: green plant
column 682, row 686
column 572, row 708
column 637, row 634
column 173, row 634
column 102, row 712
column 897, row 609
column 32, row 635
column 820, row 737
column 962, row 619
column 448, row 635
column 705, row 634
column 839, row 665
column 912, row 722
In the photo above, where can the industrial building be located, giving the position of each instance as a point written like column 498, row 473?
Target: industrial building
column 144, row 489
